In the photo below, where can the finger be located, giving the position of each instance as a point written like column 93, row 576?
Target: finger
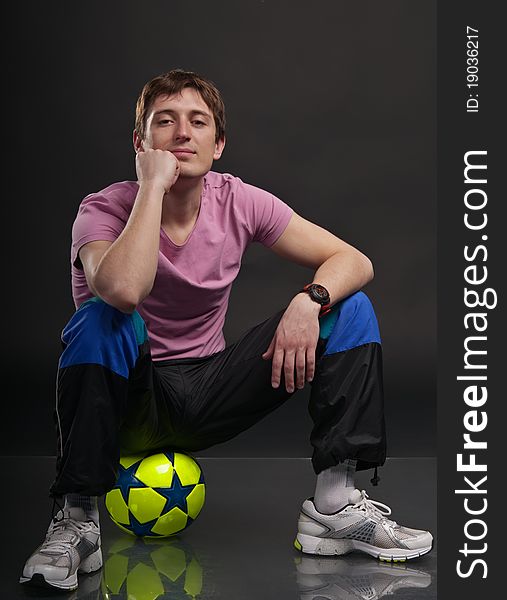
column 300, row 369
column 310, row 364
column 276, row 369
column 288, row 371
column 269, row 351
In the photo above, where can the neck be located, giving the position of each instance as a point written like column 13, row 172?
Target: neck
column 182, row 202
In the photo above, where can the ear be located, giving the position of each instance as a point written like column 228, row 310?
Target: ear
column 219, row 148
column 138, row 142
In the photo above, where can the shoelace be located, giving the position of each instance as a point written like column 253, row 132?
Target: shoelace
column 63, row 531
column 378, row 509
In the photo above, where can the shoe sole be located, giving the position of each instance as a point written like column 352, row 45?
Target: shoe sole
column 88, row 565
column 309, row 544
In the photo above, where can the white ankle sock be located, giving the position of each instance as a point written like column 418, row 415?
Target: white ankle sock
column 334, row 486
column 87, row 503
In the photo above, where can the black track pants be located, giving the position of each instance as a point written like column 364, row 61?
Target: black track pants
column 113, row 400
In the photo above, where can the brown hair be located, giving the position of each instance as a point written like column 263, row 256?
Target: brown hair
column 172, row 83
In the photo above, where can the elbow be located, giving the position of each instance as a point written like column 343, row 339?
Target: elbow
column 370, row 273
column 121, row 297
column 366, row 267
column 124, row 302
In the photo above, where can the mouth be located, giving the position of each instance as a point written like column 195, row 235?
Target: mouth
column 182, row 151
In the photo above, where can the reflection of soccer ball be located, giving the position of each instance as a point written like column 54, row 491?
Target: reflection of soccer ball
column 156, row 495
column 149, row 569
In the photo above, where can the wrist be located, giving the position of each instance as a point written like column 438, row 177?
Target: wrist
column 319, row 295
column 152, row 186
column 305, row 299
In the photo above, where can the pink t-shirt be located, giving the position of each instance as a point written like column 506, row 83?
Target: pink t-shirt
column 185, row 311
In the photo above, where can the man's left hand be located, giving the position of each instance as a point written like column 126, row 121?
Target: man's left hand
column 293, row 345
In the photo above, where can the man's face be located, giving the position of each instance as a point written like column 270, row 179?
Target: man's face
column 184, row 125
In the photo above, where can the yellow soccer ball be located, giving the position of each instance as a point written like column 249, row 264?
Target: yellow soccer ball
column 157, row 495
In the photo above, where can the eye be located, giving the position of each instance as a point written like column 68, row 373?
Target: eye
column 164, row 121
column 199, row 123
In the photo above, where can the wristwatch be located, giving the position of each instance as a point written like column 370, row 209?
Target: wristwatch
column 319, row 294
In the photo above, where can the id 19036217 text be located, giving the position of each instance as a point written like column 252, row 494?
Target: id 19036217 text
column 472, row 69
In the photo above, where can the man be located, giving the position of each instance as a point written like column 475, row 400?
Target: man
column 145, row 366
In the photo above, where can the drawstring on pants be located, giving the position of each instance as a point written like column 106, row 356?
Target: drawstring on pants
column 60, row 509
column 375, row 479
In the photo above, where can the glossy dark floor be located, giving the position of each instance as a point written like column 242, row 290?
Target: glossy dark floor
column 239, row 548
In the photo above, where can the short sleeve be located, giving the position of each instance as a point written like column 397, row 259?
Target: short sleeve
column 267, row 216
column 98, row 218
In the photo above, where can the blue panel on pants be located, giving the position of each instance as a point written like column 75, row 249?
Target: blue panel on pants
column 351, row 323
column 100, row 334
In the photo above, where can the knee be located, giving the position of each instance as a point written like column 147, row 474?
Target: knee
column 352, row 322
column 93, row 322
column 101, row 334
column 359, row 303
column 356, row 307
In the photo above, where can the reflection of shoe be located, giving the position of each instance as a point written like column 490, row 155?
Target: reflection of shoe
column 89, row 586
column 71, row 546
column 362, row 525
column 352, row 578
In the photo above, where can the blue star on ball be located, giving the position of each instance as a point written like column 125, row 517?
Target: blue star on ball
column 176, row 495
column 127, row 480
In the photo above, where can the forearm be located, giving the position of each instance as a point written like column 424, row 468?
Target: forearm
column 127, row 269
column 344, row 273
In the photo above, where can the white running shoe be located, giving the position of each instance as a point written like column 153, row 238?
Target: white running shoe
column 72, row 546
column 354, row 578
column 361, row 525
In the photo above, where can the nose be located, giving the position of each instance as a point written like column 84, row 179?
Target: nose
column 182, row 131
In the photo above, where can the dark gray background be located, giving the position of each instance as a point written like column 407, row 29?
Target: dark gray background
column 330, row 106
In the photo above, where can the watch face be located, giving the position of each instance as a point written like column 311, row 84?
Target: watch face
column 319, row 293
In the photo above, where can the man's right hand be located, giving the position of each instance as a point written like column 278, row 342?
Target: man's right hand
column 157, row 166
column 138, row 244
